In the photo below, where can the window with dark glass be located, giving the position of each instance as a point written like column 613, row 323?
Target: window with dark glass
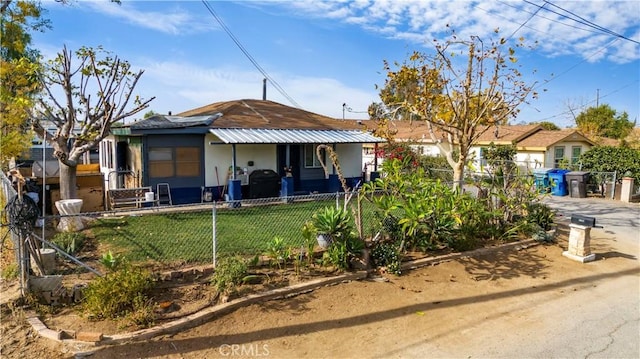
column 310, row 158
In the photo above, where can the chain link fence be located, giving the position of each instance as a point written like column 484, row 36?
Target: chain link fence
column 168, row 238
column 9, row 245
column 175, row 237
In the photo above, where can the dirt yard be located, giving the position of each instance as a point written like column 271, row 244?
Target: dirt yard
column 383, row 316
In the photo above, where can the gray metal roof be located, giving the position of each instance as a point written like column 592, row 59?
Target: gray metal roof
column 248, row 135
column 173, row 122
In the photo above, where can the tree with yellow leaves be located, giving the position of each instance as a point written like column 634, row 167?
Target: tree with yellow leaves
column 459, row 101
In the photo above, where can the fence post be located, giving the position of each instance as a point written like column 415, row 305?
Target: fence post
column 613, row 187
column 23, row 264
column 213, row 232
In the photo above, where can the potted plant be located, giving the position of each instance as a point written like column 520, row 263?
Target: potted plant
column 330, row 224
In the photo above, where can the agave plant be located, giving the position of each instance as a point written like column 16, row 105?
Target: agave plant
column 332, row 222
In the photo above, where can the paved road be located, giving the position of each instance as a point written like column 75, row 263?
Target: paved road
column 599, row 319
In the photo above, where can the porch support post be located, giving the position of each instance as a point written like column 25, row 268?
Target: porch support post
column 287, row 156
column 374, row 174
column 233, row 161
column 235, row 185
column 375, row 157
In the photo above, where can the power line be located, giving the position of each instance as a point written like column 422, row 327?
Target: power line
column 541, row 16
column 610, row 43
column 248, row 55
column 524, row 23
column 581, row 20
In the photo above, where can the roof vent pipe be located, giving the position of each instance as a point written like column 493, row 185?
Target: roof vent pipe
column 264, row 89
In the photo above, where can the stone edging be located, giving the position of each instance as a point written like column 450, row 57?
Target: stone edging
column 195, row 319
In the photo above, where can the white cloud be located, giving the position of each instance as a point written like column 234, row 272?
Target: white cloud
column 177, row 21
column 181, row 86
column 421, row 21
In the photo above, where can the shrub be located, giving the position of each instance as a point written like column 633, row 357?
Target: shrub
column 609, row 159
column 117, row 294
column 278, row 252
column 229, row 273
column 541, row 214
column 143, row 312
column 387, row 254
column 340, row 252
column 70, row 242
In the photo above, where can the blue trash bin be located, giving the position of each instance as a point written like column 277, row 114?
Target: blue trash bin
column 558, row 182
column 541, row 179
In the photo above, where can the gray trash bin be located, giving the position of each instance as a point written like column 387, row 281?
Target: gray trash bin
column 577, row 182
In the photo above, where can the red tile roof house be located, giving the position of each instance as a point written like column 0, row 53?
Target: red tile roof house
column 196, row 150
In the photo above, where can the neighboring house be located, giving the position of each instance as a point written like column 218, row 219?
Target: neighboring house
column 507, row 135
column 535, row 146
column 262, row 140
column 549, row 148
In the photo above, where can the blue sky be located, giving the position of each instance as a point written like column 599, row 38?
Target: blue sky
column 327, row 53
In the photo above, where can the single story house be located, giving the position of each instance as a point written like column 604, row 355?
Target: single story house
column 234, row 149
column 535, row 146
column 550, row 148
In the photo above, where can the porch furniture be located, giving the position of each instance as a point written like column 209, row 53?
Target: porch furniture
column 130, row 197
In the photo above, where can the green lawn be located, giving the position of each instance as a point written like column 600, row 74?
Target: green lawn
column 188, row 236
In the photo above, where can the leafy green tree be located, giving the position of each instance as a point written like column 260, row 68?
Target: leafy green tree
column 621, row 160
column 549, row 126
column 82, row 119
column 604, row 121
column 149, row 113
column 18, row 74
column 462, row 103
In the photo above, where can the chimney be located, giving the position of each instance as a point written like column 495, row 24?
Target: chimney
column 264, row 89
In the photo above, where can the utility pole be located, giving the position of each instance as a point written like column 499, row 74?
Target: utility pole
column 597, row 97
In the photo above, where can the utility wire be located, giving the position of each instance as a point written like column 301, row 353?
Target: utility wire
column 591, row 24
column 524, row 23
column 540, row 16
column 610, row 43
column 581, row 20
column 248, row 55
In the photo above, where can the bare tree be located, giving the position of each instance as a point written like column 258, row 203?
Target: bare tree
column 459, row 102
column 82, row 99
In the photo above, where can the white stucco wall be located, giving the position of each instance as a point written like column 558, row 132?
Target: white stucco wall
column 350, row 157
column 428, row 149
column 550, row 154
column 530, row 159
column 263, row 157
